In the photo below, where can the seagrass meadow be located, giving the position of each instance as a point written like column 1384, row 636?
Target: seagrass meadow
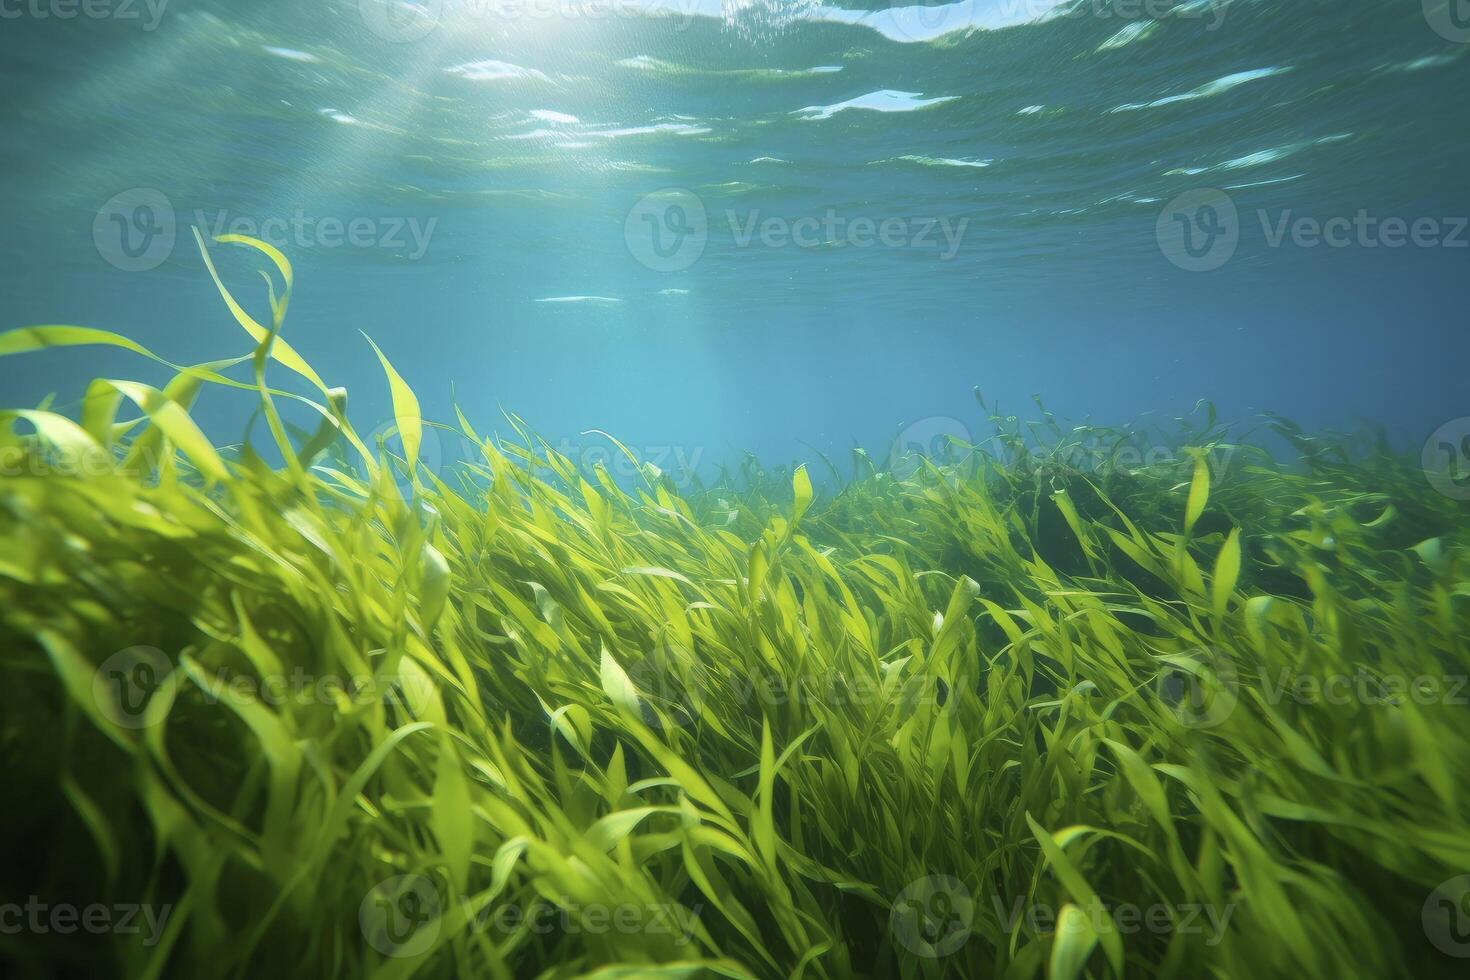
column 310, row 709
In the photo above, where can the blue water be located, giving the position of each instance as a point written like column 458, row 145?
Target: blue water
column 507, row 197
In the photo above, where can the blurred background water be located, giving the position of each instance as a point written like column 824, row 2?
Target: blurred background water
column 760, row 225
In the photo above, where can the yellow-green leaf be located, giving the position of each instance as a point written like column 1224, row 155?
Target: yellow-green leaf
column 405, row 411
column 1227, row 573
column 1199, row 492
column 801, row 485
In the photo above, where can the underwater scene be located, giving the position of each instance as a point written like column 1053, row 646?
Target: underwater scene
column 791, row 489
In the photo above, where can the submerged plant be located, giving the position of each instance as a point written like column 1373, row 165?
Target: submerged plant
column 1003, row 716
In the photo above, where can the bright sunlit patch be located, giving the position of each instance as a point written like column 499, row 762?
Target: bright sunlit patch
column 291, row 54
column 659, row 66
column 886, row 100
column 676, row 129
column 1136, row 31
column 1205, row 91
column 552, row 116
column 337, row 115
column 924, row 161
column 492, row 71
column 1430, row 61
column 1264, row 183
column 921, row 22
column 603, row 300
column 1260, row 157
